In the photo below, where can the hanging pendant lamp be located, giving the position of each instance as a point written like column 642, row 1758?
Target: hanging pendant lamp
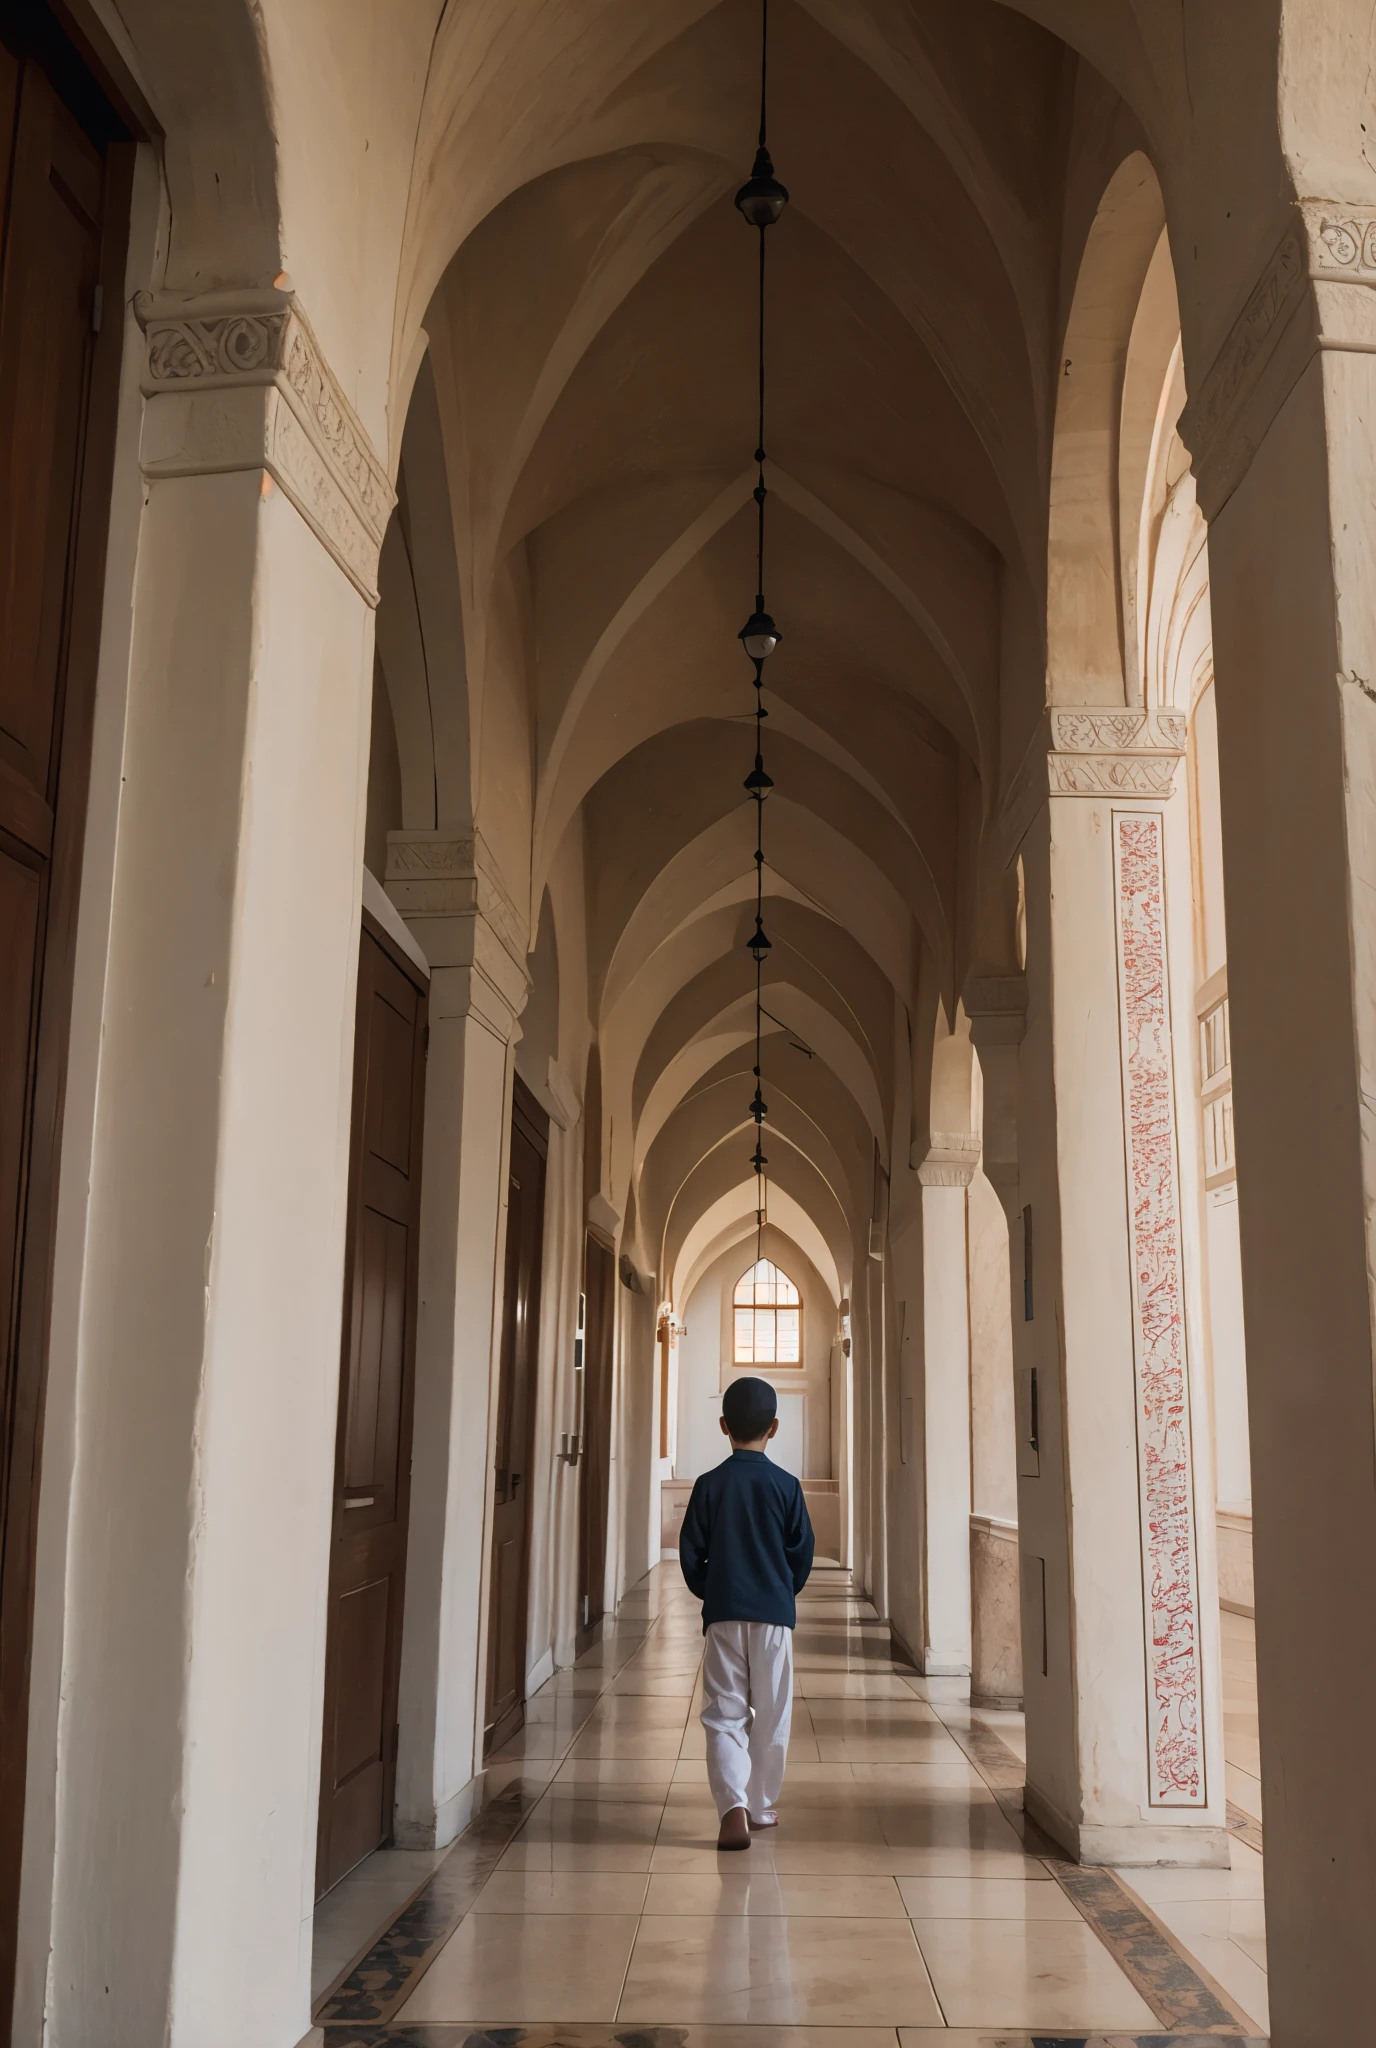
column 760, row 201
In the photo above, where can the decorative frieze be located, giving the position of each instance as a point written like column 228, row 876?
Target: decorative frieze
column 1175, row 1759
column 1342, row 242
column 236, row 380
column 950, row 1159
column 450, row 891
column 1291, row 312
column 444, row 874
column 1114, row 751
column 996, row 1005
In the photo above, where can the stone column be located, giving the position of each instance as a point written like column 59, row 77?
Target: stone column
column 944, row 1403
column 448, row 890
column 1280, row 429
column 1119, row 1605
column 208, row 1368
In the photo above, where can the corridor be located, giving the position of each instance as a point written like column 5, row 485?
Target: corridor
column 903, row 1890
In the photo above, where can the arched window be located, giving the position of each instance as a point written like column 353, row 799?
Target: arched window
column 766, row 1318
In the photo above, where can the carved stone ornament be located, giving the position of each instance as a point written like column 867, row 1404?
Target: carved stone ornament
column 996, row 1005
column 1290, row 314
column 449, row 875
column 236, row 380
column 1114, row 752
column 950, row 1159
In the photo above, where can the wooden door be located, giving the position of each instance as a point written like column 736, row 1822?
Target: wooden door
column 599, row 1286
column 510, row 1575
column 64, row 193
column 372, row 1486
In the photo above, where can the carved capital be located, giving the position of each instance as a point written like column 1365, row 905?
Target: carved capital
column 437, row 875
column 947, row 1159
column 996, row 1005
column 235, row 381
column 1302, row 302
column 1114, row 751
column 450, row 892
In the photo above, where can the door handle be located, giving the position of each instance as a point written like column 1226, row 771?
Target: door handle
column 515, row 1483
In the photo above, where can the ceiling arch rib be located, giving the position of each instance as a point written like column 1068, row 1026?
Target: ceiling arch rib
column 608, row 708
column 791, row 1172
column 790, row 1011
column 730, row 1220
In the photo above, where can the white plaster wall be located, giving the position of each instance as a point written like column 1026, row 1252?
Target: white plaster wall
column 706, row 1368
column 60, row 1424
column 993, row 1449
column 209, row 1345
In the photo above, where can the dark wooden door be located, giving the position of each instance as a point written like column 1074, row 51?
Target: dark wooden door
column 510, row 1577
column 64, row 190
column 599, row 1286
column 372, row 1488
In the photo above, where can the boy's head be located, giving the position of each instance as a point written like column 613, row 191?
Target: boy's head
column 749, row 1412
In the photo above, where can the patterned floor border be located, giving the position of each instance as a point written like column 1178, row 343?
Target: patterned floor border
column 1181, row 1994
column 1193, row 2010
column 758, row 2036
column 389, row 1972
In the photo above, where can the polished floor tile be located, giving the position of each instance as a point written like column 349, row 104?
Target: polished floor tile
column 622, row 1777
column 1028, row 1973
column 544, row 1891
column 984, row 1898
column 509, row 1968
column 347, row 1918
column 894, row 1907
column 776, row 1969
column 772, row 1891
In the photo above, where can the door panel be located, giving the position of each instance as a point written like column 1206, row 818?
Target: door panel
column 373, row 1461
column 64, row 188
column 599, row 1285
column 509, row 1575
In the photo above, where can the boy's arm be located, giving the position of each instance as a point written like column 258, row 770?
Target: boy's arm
column 692, row 1542
column 799, row 1542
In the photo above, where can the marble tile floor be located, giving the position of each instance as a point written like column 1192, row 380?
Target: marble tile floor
column 1218, row 1914
column 899, row 1903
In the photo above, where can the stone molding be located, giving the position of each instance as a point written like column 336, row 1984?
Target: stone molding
column 1301, row 302
column 450, row 891
column 604, row 1221
column 950, row 1159
column 1114, row 751
column 446, row 874
column 237, row 381
column 566, row 1104
column 996, row 1005
column 1095, row 751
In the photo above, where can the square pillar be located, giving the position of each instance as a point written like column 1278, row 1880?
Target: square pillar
column 198, row 1522
column 1119, row 1604
column 448, row 890
column 943, row 1402
column 1279, row 426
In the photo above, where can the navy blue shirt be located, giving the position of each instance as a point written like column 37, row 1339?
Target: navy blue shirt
column 746, row 1543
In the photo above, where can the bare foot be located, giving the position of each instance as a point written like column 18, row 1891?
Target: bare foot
column 735, row 1829
column 766, row 1820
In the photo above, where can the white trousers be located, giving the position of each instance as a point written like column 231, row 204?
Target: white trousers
column 747, row 1708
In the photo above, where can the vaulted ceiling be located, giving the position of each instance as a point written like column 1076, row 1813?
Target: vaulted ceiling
column 591, row 342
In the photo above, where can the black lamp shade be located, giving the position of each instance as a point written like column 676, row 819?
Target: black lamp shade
column 762, row 198
column 759, row 636
column 758, row 944
column 757, row 782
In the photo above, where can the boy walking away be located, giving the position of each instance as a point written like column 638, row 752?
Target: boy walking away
column 746, row 1551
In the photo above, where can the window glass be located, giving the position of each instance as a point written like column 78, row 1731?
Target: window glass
column 767, row 1317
